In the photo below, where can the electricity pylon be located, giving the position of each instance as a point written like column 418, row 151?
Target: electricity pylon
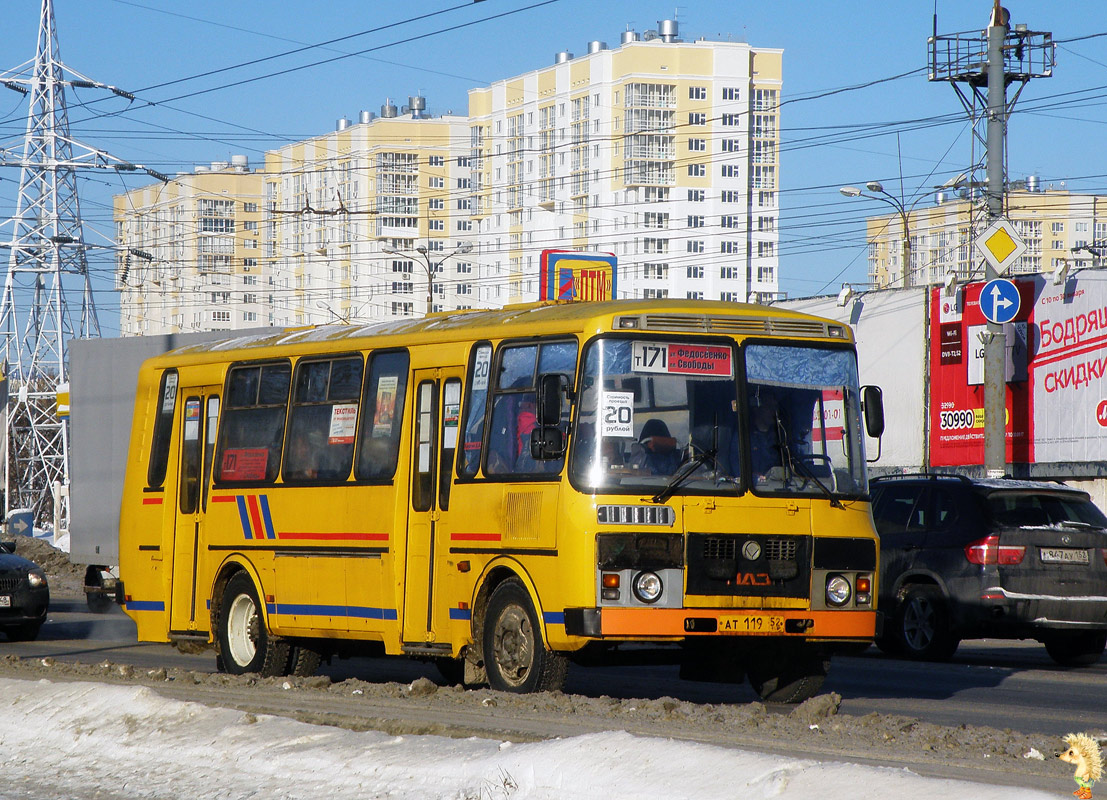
column 48, row 296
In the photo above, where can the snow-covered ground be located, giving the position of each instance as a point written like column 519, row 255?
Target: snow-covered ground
column 89, row 741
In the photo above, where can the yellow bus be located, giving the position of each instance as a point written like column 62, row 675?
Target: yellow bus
column 503, row 491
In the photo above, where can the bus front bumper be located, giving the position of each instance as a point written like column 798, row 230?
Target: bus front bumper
column 668, row 623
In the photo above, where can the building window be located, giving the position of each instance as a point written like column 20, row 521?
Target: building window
column 766, row 249
column 436, row 204
column 697, row 118
column 436, row 224
column 730, row 92
column 730, row 221
column 764, row 274
column 694, row 295
column 697, row 92
column 437, row 183
column 729, row 196
column 697, row 145
column 696, row 195
column 697, row 170
column 656, row 294
column 436, row 161
column 696, row 221
column 694, row 271
column 731, row 120
column 695, row 245
column 220, row 316
column 731, row 171
column 656, row 272
column 729, row 246
column 403, row 309
column 652, row 245
column 250, row 208
column 729, row 273
column 731, row 145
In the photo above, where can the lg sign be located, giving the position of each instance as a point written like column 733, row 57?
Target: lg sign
column 1101, row 413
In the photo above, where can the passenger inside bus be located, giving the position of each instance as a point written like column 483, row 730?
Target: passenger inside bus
column 765, row 432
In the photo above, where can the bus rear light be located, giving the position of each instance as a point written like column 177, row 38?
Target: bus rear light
column 611, row 580
column 989, row 551
column 864, row 584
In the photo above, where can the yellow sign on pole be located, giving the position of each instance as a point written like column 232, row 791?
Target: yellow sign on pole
column 1000, row 244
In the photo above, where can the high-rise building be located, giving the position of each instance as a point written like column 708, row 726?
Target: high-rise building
column 1055, row 224
column 188, row 255
column 358, row 220
column 661, row 151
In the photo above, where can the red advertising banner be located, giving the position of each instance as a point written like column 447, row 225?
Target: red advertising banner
column 1056, row 374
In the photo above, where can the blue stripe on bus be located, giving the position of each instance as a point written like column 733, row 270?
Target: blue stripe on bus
column 554, row 617
column 312, row 610
column 266, row 517
column 145, row 605
column 244, row 516
column 461, row 613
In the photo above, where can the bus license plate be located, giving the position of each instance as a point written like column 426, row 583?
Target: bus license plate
column 5, row 601
column 751, row 623
column 1061, row 555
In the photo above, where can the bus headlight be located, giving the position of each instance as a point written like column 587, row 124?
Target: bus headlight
column 838, row 590
column 648, row 587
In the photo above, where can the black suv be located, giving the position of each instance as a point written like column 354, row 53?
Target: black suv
column 963, row 559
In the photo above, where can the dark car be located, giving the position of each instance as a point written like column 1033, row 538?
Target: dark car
column 964, row 559
column 24, row 595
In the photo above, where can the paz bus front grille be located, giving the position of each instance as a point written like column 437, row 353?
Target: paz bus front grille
column 758, row 565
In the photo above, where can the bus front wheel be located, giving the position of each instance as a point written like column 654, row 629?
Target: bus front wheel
column 788, row 675
column 515, row 657
column 244, row 643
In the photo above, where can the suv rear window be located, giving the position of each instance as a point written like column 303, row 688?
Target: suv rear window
column 1034, row 509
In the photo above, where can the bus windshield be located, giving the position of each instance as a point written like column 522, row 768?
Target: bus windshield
column 664, row 416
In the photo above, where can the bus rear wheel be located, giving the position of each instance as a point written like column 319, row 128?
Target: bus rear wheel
column 788, row 675
column 515, row 657
column 244, row 643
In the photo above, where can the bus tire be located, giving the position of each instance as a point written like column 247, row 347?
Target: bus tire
column 244, row 643
column 788, row 675
column 516, row 658
column 303, row 662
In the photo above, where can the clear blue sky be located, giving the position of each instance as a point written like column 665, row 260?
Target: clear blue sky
column 849, row 137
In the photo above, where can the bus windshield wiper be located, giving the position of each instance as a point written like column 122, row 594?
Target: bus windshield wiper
column 797, row 465
column 683, row 474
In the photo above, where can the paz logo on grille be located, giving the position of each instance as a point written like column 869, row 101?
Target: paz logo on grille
column 751, row 550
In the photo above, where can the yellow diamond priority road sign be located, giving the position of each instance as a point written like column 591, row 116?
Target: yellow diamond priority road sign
column 1000, row 245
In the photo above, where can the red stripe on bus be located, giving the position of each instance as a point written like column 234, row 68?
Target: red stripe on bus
column 255, row 517
column 151, row 501
column 475, row 537
column 223, row 498
column 360, row 537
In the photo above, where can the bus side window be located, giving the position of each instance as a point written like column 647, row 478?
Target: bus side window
column 163, row 429
column 480, row 367
column 323, row 422
column 382, row 420
column 253, row 423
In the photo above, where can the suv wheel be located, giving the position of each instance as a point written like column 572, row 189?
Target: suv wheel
column 1076, row 649
column 922, row 624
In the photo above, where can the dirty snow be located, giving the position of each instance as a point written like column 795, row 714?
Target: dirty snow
column 93, row 740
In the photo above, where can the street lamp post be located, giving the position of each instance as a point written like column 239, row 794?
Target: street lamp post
column 879, row 193
column 431, row 266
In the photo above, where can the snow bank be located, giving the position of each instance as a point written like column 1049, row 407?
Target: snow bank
column 85, row 740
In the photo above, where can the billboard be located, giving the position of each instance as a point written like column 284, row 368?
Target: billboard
column 573, row 275
column 1056, row 374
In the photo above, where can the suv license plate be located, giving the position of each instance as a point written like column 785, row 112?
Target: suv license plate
column 5, row 601
column 1060, row 555
column 751, row 623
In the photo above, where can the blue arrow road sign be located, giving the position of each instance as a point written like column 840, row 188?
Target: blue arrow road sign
column 999, row 300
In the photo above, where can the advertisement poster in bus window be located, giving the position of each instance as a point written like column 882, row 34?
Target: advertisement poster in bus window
column 1056, row 398
column 386, row 405
column 192, row 420
column 343, row 424
column 828, row 419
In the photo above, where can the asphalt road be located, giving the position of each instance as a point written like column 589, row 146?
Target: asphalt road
column 995, row 683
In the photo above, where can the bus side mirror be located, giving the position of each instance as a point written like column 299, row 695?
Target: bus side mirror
column 548, row 409
column 872, row 406
column 547, row 442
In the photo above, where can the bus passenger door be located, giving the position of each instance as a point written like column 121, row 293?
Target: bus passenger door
column 434, row 442
column 200, row 412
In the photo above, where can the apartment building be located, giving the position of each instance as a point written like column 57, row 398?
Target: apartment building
column 357, row 220
column 663, row 152
column 189, row 256
column 1055, row 224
